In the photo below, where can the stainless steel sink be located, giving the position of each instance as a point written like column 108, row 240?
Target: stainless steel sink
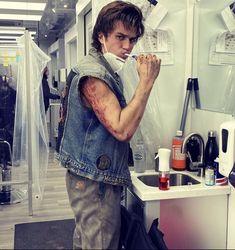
column 176, row 179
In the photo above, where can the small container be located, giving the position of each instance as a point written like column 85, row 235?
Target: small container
column 210, row 175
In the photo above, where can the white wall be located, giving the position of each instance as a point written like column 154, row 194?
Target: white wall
column 202, row 121
column 70, row 43
column 57, row 52
column 82, row 7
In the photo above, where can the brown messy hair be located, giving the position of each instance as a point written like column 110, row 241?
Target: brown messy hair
column 129, row 14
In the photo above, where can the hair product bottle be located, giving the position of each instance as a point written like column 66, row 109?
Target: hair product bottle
column 178, row 157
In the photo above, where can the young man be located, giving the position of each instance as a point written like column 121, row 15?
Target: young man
column 99, row 124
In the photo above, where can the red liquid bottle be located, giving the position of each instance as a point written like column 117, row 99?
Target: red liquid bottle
column 164, row 180
column 164, row 168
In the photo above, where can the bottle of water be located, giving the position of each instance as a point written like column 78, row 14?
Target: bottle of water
column 139, row 156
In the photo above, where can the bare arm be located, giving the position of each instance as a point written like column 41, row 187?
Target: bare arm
column 122, row 123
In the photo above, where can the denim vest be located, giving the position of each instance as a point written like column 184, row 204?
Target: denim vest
column 87, row 148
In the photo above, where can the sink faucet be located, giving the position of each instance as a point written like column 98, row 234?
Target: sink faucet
column 194, row 164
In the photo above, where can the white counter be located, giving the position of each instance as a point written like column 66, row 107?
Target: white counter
column 147, row 193
column 191, row 216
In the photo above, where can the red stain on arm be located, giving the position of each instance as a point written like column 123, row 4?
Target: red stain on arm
column 100, row 97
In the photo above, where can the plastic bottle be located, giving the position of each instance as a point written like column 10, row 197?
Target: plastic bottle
column 164, row 169
column 210, row 175
column 164, row 180
column 139, row 156
column 178, row 158
column 212, row 149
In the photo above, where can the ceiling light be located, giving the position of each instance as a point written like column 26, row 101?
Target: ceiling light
column 8, row 37
column 14, row 30
column 7, row 41
column 65, row 5
column 20, row 17
column 22, row 5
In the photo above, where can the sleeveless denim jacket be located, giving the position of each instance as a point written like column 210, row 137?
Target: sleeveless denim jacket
column 87, row 148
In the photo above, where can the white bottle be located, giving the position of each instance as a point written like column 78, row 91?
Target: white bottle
column 139, row 156
column 164, row 168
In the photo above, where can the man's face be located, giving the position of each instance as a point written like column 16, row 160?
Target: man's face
column 120, row 41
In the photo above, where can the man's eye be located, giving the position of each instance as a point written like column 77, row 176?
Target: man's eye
column 133, row 40
column 120, row 38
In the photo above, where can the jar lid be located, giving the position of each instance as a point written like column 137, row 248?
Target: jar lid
column 212, row 133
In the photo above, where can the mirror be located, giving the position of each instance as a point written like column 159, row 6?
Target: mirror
column 214, row 54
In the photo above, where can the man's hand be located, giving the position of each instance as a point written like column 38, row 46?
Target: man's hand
column 148, row 67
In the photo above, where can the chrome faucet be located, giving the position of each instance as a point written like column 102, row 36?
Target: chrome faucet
column 198, row 164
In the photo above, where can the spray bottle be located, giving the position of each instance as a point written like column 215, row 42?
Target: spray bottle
column 164, row 168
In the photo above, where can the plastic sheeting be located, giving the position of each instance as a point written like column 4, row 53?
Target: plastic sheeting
column 228, row 100
column 151, row 124
column 30, row 141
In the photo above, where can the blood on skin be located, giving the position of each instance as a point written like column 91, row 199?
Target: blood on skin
column 89, row 90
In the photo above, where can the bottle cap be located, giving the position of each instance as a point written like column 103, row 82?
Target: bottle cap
column 179, row 133
column 211, row 133
column 216, row 159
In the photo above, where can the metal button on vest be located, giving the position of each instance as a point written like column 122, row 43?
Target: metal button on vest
column 103, row 162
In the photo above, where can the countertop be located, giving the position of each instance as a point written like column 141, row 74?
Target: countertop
column 148, row 193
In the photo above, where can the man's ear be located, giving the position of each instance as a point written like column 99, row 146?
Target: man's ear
column 101, row 38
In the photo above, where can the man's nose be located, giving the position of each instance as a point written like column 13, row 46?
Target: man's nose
column 126, row 44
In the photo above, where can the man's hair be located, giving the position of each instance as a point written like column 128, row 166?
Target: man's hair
column 129, row 14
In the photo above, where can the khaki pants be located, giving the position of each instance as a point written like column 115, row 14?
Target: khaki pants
column 96, row 207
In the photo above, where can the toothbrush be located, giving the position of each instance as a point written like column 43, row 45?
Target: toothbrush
column 129, row 55
column 132, row 56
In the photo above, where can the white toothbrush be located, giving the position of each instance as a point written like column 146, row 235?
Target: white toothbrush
column 132, row 56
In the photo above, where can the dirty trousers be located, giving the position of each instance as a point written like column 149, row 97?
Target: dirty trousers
column 96, row 207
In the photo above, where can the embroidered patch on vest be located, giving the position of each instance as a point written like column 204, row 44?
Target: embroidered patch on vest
column 103, row 162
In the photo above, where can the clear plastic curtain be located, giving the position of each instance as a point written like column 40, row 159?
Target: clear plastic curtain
column 228, row 99
column 150, row 128
column 30, row 119
column 151, row 125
